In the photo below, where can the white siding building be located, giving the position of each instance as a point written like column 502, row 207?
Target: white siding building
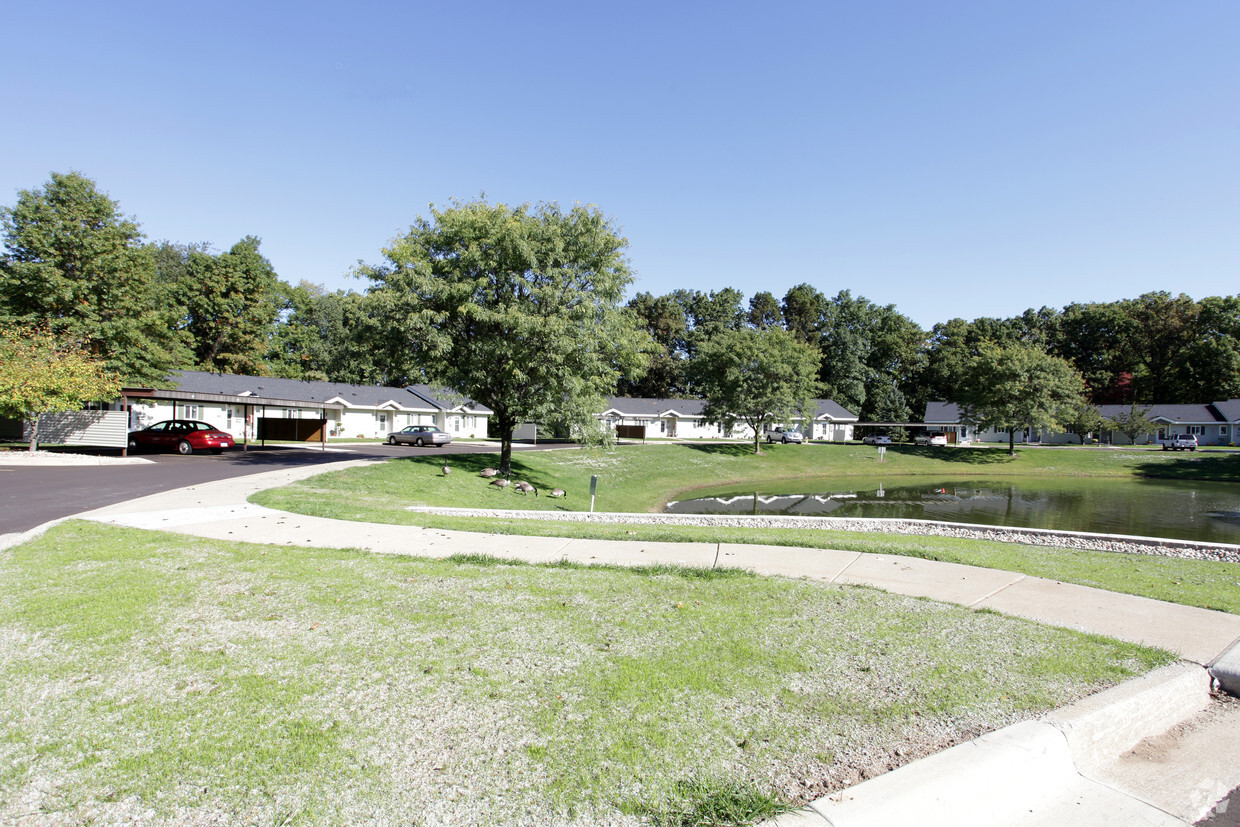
column 234, row 404
column 1212, row 424
column 683, row 419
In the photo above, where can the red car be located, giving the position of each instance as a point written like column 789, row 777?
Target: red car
column 186, row 435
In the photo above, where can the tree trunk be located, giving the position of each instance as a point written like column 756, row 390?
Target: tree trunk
column 1011, row 442
column 34, row 433
column 505, row 453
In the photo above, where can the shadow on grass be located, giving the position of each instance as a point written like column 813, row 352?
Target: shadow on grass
column 959, row 454
column 1221, row 468
column 729, row 449
column 473, row 464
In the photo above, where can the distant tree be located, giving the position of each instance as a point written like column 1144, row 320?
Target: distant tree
column 1162, row 330
column 764, row 311
column 1019, row 387
column 713, row 313
column 664, row 319
column 515, row 307
column 1213, row 357
column 803, row 308
column 1132, row 423
column 845, row 346
column 319, row 335
column 230, row 303
column 1080, row 417
column 41, row 374
column 1096, row 338
column 758, row 377
column 75, row 265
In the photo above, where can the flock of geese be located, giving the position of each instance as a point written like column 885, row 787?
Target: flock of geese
column 502, row 483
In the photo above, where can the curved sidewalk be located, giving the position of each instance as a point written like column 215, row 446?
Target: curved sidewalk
column 1066, row 768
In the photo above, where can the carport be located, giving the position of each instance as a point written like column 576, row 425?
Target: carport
column 254, row 410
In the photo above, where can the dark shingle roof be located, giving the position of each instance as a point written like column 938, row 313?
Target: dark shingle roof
column 1229, row 410
column 949, row 412
column 642, row 406
column 939, row 413
column 1175, row 414
column 830, row 409
column 415, row 397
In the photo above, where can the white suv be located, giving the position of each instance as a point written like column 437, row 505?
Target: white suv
column 1180, row 442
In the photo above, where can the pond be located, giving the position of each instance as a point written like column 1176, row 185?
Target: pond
column 1207, row 511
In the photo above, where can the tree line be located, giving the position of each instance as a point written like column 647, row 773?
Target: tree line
column 479, row 296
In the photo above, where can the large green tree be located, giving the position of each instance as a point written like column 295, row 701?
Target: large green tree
column 664, row 318
column 332, row 336
column 231, row 302
column 41, row 374
column 228, row 303
column 760, row 377
column 75, row 264
column 1019, row 386
column 516, row 307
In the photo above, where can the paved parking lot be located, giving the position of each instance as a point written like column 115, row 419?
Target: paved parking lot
column 33, row 494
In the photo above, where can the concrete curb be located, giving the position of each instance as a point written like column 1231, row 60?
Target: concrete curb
column 1226, row 669
column 1036, row 772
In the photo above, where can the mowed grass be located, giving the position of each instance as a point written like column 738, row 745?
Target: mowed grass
column 157, row 677
column 643, row 478
column 647, row 477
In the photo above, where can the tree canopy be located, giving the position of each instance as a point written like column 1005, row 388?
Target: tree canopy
column 1018, row 387
column 1132, row 423
column 42, row 374
column 75, row 264
column 228, row 303
column 515, row 307
column 758, row 376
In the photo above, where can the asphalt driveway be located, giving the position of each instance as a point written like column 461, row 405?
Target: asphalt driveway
column 30, row 495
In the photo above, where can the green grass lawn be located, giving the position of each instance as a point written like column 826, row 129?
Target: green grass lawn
column 164, row 678
column 644, row 478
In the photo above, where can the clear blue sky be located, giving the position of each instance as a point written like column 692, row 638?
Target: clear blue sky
column 954, row 159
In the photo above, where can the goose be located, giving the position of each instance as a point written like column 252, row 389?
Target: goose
column 500, row 483
column 525, row 488
column 557, row 492
column 490, row 472
column 446, row 470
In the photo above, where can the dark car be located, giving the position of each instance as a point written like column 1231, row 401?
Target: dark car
column 185, row 435
column 420, row 435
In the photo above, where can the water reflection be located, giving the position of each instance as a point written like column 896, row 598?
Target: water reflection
column 1184, row 510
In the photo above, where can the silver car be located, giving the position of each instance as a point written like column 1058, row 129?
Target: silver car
column 780, row 435
column 420, row 435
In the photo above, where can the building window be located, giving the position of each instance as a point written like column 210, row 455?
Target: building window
column 191, row 412
column 1198, row 430
column 1222, row 430
column 229, row 419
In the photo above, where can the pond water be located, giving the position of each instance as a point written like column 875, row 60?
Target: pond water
column 1208, row 511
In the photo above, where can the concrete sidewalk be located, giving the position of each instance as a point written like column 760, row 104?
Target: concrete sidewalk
column 1061, row 770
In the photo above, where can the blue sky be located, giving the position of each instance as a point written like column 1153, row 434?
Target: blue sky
column 954, row 159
